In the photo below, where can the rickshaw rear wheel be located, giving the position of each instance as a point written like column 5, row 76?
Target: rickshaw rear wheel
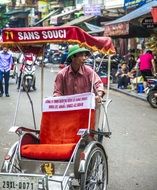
column 96, row 174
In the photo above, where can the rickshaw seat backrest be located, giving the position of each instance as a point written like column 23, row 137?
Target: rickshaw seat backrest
column 62, row 117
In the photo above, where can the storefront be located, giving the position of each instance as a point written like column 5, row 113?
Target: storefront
column 18, row 17
column 131, row 26
column 79, row 20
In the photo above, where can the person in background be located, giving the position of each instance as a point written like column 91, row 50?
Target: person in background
column 146, row 66
column 6, row 61
column 64, row 57
column 131, row 62
column 123, row 76
column 27, row 57
column 77, row 77
column 127, row 56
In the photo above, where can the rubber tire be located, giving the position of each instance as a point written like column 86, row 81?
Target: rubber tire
column 15, row 168
column 27, row 87
column 104, row 171
column 150, row 97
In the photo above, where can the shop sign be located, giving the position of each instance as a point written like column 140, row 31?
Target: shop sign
column 94, row 10
column 134, row 3
column 43, row 8
column 148, row 23
column 112, row 4
column 55, row 20
column 117, row 29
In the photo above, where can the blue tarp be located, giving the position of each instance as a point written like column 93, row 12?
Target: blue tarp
column 94, row 28
column 134, row 3
column 143, row 10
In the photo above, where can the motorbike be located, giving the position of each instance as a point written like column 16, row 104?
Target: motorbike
column 151, row 92
column 52, row 56
column 102, row 65
column 28, row 80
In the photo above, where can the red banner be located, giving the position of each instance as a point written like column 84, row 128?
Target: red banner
column 70, row 34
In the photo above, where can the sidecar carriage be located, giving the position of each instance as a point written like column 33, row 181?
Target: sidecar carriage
column 67, row 151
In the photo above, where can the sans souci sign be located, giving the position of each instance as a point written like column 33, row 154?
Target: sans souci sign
column 71, row 34
column 24, row 35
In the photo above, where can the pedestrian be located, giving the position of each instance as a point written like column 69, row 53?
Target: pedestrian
column 64, row 57
column 6, row 61
column 77, row 77
column 131, row 62
column 123, row 76
column 146, row 66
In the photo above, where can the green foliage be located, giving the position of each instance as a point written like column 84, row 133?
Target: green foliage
column 3, row 18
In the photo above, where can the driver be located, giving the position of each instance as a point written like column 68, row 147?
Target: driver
column 77, row 77
column 28, row 57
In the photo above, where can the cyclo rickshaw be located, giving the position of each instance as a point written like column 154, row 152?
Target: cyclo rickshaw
column 65, row 153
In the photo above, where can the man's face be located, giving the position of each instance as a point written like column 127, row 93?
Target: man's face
column 124, row 66
column 80, row 58
column 5, row 49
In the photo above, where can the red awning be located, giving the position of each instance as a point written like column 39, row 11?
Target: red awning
column 70, row 34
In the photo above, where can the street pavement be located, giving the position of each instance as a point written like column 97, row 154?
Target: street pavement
column 129, row 92
column 131, row 149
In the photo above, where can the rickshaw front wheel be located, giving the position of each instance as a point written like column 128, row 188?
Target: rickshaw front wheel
column 11, row 165
column 96, row 174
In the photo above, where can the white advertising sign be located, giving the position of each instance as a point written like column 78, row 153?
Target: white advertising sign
column 67, row 103
column 109, row 4
column 92, row 10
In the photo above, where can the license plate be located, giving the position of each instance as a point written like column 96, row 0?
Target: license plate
column 28, row 77
column 19, row 183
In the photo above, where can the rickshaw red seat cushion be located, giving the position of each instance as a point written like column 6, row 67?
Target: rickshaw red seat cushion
column 58, row 134
column 58, row 152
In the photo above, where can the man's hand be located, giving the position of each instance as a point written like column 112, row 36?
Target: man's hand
column 98, row 99
column 99, row 96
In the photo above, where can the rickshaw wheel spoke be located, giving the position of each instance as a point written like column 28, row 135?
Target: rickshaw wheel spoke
column 95, row 176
